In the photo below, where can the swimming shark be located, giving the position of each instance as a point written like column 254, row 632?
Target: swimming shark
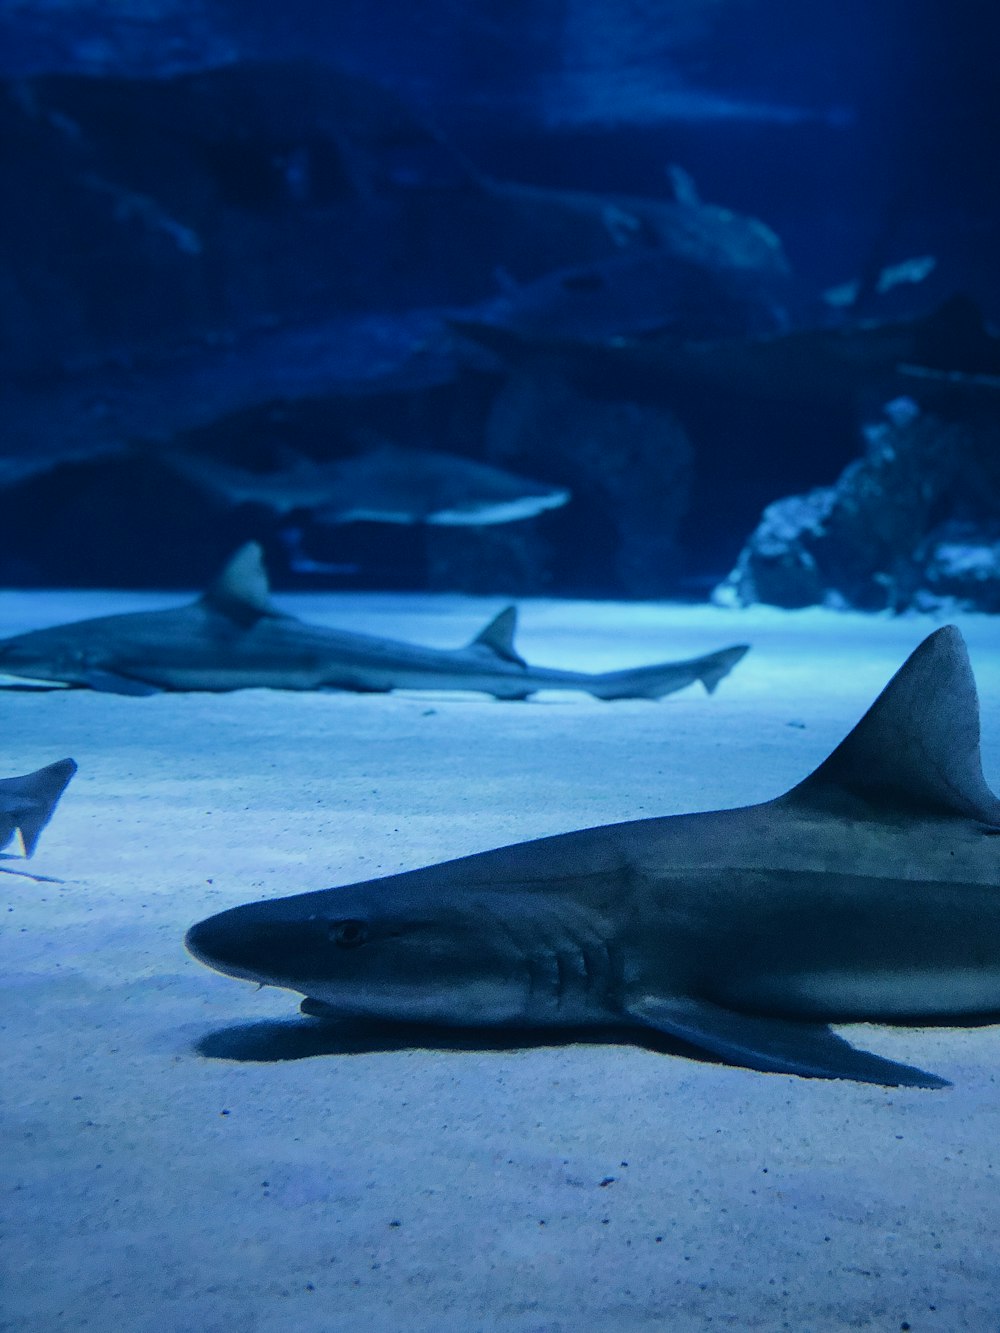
column 640, row 291
column 869, row 892
column 234, row 637
column 386, row 484
column 27, row 803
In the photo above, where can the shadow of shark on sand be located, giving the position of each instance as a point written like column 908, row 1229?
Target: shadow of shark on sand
column 274, row 1041
column 279, row 1041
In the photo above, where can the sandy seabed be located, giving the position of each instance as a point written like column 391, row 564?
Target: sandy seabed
column 183, row 1153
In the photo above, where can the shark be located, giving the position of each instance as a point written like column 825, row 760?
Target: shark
column 385, row 484
column 635, row 293
column 869, row 892
column 27, row 802
column 235, row 637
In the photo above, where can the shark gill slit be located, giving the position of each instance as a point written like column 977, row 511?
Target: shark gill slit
column 561, row 978
column 581, row 965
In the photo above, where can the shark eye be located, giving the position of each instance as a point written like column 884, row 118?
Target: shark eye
column 348, row 934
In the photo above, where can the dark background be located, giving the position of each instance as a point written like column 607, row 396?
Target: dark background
column 861, row 133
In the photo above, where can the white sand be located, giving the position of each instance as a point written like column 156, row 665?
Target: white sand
column 152, row 1188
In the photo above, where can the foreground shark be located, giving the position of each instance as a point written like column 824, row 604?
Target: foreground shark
column 234, row 637
column 27, row 803
column 386, row 484
column 869, row 892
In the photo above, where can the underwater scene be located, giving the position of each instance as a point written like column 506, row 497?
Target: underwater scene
column 500, row 666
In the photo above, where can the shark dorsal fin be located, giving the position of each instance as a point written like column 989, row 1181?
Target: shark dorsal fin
column 242, row 591
column 32, row 798
column 498, row 636
column 917, row 748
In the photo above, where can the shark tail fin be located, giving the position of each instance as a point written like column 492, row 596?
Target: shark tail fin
column 33, row 798
column 241, row 591
column 653, row 682
column 498, row 637
column 717, row 666
column 917, row 747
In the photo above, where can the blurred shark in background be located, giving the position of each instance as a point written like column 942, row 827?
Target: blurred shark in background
column 387, row 484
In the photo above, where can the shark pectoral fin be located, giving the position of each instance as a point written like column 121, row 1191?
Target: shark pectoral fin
column 109, row 682
column 774, row 1045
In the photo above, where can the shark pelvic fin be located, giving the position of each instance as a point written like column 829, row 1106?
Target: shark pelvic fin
column 242, row 591
column 113, row 682
column 32, row 798
column 498, row 637
column 774, row 1045
column 917, row 747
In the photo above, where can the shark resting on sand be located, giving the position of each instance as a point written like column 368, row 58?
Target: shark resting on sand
column 233, row 637
column 27, row 803
column 870, row 892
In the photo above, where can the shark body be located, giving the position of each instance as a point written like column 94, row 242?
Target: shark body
column 234, row 637
column 386, row 484
column 869, row 892
column 27, row 803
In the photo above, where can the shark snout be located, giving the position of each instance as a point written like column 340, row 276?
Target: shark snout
column 41, row 655
column 15, row 654
column 252, row 942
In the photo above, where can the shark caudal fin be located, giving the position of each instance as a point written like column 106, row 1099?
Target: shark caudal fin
column 241, row 591
column 716, row 666
column 917, row 747
column 27, row 803
column 653, row 682
column 498, row 637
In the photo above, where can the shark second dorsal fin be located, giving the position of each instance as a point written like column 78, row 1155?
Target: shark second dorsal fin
column 242, row 591
column 917, row 748
column 498, row 637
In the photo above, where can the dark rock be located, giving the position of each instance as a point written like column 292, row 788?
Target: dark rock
column 144, row 216
column 961, row 564
column 911, row 524
column 186, row 258
column 628, row 467
column 775, row 105
column 64, row 416
column 177, row 250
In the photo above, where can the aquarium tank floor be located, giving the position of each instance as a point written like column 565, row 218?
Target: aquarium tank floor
column 186, row 1153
